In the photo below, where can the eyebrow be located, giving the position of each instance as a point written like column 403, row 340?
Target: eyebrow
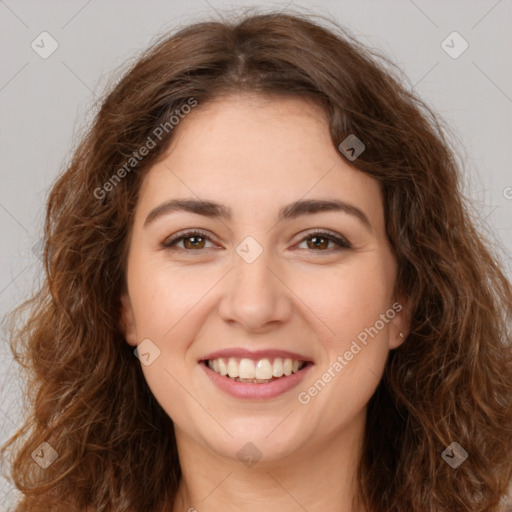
column 296, row 209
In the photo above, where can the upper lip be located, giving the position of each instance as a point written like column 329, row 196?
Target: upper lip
column 254, row 354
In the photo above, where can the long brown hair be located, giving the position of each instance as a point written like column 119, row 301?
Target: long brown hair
column 450, row 381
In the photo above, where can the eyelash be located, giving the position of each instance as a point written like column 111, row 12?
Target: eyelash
column 329, row 235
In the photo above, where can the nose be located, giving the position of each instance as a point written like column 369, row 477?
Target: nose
column 256, row 294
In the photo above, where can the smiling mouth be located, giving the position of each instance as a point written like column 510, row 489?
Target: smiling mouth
column 261, row 371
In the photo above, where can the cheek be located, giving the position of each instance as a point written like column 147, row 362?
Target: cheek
column 167, row 305
column 163, row 304
column 163, row 297
column 335, row 400
column 356, row 351
column 350, row 300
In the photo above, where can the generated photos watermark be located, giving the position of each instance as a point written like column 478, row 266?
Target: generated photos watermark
column 249, row 454
column 342, row 360
column 146, row 352
column 454, row 455
column 45, row 455
column 137, row 156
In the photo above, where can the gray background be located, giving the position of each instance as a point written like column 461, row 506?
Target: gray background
column 46, row 103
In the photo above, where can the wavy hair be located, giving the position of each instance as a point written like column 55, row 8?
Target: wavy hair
column 450, row 380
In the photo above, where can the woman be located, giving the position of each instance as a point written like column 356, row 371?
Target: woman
column 264, row 291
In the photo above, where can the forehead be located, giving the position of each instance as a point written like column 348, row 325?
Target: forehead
column 257, row 153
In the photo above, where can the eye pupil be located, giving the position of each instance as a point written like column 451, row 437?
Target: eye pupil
column 321, row 245
column 194, row 244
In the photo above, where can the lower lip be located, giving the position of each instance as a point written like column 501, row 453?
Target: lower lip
column 254, row 391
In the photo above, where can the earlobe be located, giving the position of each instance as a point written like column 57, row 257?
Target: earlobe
column 127, row 321
column 401, row 324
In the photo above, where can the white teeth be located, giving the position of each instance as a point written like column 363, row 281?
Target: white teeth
column 232, row 367
column 277, row 367
column 223, row 369
column 261, row 371
column 246, row 369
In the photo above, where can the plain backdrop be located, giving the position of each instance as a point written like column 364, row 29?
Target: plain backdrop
column 45, row 103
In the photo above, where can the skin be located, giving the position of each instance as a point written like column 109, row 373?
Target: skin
column 295, row 296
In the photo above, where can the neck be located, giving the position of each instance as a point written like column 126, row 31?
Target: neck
column 320, row 476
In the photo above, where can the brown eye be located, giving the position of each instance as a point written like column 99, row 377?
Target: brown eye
column 317, row 241
column 192, row 240
column 196, row 242
column 320, row 240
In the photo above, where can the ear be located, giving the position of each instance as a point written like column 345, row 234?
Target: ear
column 400, row 323
column 127, row 320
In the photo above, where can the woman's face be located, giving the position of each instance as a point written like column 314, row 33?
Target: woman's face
column 260, row 285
